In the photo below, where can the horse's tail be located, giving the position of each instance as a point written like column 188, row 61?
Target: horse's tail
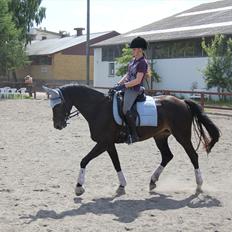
column 200, row 118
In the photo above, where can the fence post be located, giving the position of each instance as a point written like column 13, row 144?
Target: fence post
column 34, row 90
column 202, row 102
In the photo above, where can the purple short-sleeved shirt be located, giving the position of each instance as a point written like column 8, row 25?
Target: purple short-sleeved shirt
column 136, row 66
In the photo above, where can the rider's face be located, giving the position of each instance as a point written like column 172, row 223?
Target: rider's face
column 136, row 52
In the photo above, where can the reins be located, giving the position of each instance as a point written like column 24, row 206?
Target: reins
column 73, row 114
column 68, row 114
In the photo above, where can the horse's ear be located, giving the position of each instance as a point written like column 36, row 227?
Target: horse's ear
column 53, row 92
column 47, row 90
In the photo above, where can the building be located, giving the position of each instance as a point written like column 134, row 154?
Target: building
column 61, row 59
column 42, row 34
column 174, row 46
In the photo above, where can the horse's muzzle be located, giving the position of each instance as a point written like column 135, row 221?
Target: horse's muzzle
column 60, row 126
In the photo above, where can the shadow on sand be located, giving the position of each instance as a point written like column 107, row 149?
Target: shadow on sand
column 127, row 211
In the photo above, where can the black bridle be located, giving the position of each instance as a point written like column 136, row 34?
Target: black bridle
column 68, row 114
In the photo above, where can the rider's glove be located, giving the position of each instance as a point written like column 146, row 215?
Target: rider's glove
column 119, row 87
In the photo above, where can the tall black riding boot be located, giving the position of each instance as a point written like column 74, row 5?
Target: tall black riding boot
column 131, row 122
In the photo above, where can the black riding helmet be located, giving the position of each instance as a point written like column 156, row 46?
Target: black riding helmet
column 139, row 42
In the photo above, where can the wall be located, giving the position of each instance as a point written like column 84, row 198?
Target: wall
column 179, row 74
column 38, row 72
column 176, row 74
column 21, row 73
column 101, row 77
column 71, row 67
column 64, row 67
column 41, row 72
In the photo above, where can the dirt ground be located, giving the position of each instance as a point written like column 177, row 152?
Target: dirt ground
column 39, row 167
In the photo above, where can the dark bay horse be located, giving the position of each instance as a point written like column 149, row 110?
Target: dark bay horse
column 175, row 117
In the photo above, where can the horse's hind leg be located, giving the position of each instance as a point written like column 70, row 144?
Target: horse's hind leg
column 194, row 159
column 188, row 146
column 162, row 144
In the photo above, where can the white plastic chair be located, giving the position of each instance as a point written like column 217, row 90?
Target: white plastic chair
column 12, row 92
column 6, row 92
column 22, row 91
column 2, row 93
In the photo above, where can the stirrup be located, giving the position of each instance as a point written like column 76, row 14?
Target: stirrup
column 131, row 140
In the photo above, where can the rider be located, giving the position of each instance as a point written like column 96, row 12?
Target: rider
column 132, row 83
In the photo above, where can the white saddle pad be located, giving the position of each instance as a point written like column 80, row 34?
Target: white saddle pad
column 147, row 111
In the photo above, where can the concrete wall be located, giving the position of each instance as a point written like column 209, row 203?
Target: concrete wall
column 176, row 74
column 179, row 74
column 101, row 72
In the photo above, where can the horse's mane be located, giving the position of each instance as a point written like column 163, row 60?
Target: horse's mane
column 86, row 90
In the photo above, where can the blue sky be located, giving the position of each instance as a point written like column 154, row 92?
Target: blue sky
column 107, row 15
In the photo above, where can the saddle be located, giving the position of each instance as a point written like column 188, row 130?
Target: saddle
column 144, row 110
column 120, row 98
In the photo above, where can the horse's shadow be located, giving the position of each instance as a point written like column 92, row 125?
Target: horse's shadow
column 127, row 211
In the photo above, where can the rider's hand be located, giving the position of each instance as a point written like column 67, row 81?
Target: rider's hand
column 119, row 87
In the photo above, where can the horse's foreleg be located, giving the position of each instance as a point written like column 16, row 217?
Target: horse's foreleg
column 155, row 177
column 96, row 151
column 162, row 144
column 115, row 160
column 199, row 179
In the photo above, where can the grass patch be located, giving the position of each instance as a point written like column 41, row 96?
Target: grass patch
column 18, row 97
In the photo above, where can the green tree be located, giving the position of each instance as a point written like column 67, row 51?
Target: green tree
column 124, row 60
column 25, row 13
column 218, row 72
column 12, row 54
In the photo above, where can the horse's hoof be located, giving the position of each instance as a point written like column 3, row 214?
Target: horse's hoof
column 152, row 185
column 79, row 190
column 120, row 191
column 199, row 189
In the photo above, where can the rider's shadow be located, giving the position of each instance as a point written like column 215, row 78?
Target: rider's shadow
column 127, row 211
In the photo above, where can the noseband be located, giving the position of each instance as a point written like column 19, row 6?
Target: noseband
column 68, row 114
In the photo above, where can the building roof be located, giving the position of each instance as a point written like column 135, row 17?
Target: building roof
column 201, row 21
column 51, row 46
column 34, row 31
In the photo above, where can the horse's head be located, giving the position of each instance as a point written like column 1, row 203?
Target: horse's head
column 60, row 107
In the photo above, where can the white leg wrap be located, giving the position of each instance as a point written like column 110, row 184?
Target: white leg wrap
column 81, row 178
column 156, row 174
column 121, row 179
column 198, row 176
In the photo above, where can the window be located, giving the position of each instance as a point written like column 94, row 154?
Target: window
column 111, row 69
column 160, row 51
column 109, row 53
column 189, row 49
column 177, row 49
column 44, row 69
column 41, row 60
